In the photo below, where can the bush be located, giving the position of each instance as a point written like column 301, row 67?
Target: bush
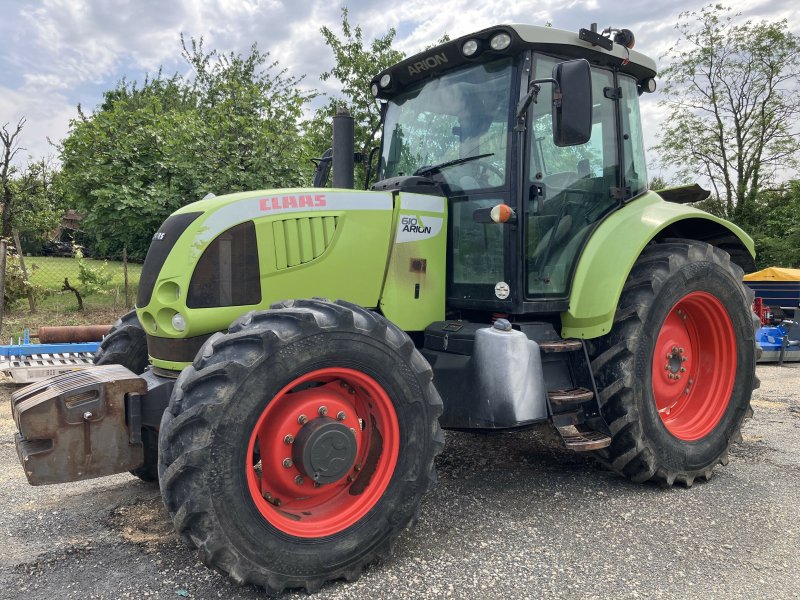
column 94, row 279
column 17, row 285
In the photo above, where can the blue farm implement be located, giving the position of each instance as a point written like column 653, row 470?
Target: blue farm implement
column 61, row 352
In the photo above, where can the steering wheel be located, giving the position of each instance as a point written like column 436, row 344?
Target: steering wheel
column 485, row 169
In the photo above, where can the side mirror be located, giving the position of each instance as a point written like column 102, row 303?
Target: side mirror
column 572, row 113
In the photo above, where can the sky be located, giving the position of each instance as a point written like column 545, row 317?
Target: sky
column 56, row 54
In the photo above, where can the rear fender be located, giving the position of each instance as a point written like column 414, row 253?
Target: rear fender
column 618, row 241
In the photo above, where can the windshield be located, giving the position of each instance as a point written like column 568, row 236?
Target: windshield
column 433, row 127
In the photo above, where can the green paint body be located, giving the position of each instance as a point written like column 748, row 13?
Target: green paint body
column 382, row 250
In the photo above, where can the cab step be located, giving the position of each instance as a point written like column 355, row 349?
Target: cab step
column 583, row 441
column 569, row 397
column 560, row 345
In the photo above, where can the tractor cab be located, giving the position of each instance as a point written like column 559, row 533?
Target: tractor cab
column 544, row 122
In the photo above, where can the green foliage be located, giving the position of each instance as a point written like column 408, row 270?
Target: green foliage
column 777, row 230
column 731, row 95
column 94, row 278
column 148, row 150
column 31, row 197
column 38, row 200
column 357, row 61
column 16, row 284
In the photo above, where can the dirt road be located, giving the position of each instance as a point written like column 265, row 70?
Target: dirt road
column 514, row 516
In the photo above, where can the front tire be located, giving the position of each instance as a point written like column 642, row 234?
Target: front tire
column 676, row 372
column 299, row 445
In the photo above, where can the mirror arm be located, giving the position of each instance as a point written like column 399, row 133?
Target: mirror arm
column 533, row 93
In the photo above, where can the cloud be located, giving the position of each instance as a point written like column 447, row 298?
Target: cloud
column 57, row 53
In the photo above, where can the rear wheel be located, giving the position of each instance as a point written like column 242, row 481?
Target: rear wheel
column 676, row 372
column 126, row 345
column 299, row 444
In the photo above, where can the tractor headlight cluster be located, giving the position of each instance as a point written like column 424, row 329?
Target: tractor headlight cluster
column 386, row 79
column 499, row 42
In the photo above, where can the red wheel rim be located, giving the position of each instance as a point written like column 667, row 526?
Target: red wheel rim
column 283, row 491
column 694, row 366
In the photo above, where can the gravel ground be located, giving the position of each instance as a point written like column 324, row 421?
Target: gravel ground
column 514, row 516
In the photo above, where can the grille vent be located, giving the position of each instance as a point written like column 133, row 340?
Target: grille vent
column 301, row 240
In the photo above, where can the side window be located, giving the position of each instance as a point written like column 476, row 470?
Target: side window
column 635, row 167
column 596, row 158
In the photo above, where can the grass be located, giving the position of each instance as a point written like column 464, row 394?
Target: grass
column 49, row 271
column 56, row 307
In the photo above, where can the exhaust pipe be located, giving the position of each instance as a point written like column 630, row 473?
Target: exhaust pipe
column 343, row 150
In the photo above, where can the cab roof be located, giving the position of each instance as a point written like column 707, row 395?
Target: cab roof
column 569, row 44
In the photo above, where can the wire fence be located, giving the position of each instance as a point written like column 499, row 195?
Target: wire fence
column 62, row 280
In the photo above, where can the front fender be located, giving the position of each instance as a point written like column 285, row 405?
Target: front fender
column 614, row 246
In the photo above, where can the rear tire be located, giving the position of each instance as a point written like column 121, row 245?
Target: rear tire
column 239, row 457
column 126, row 345
column 677, row 370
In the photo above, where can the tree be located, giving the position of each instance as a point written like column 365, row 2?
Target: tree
column 731, row 95
column 356, row 63
column 249, row 111
column 148, row 149
column 38, row 200
column 31, row 198
column 9, row 139
column 119, row 167
column 777, row 230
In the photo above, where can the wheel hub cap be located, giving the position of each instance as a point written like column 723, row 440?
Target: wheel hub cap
column 324, row 450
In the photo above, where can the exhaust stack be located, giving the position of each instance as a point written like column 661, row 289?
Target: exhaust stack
column 343, row 150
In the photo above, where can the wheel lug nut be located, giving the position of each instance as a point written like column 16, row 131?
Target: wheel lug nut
column 666, row 367
column 287, row 462
column 340, row 416
column 299, row 480
column 683, row 369
column 302, row 419
column 350, row 478
column 684, row 359
column 674, row 348
column 357, row 468
column 323, row 410
column 680, row 350
column 288, row 439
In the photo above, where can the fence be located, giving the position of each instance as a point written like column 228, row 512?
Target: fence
column 62, row 283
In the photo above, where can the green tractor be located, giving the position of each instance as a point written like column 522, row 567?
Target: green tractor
column 509, row 268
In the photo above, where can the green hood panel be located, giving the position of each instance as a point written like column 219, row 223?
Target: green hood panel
column 610, row 253
column 311, row 242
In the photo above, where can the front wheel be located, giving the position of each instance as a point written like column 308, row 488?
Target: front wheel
column 299, row 444
column 676, row 372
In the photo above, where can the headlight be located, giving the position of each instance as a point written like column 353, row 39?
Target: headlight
column 178, row 322
column 469, row 48
column 501, row 41
column 374, row 89
column 386, row 80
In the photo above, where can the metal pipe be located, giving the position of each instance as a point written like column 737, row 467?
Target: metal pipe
column 69, row 334
column 343, row 149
